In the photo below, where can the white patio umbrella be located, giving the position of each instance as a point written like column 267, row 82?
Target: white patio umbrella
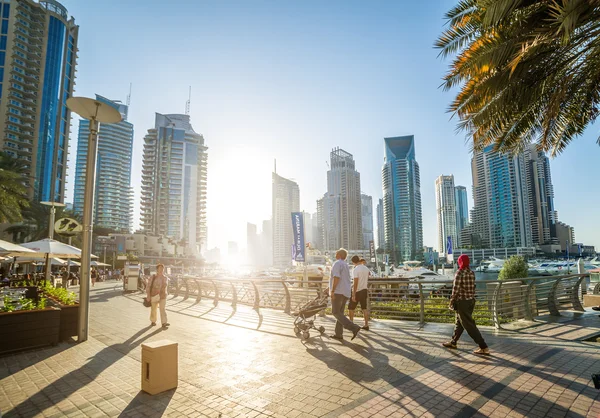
column 41, row 260
column 98, row 264
column 51, row 249
column 8, row 249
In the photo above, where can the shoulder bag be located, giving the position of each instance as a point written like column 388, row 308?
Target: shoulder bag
column 146, row 302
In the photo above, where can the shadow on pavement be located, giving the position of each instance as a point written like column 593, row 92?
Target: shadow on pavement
column 73, row 381
column 148, row 405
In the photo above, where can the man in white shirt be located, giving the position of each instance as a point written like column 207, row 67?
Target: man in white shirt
column 360, row 291
column 340, row 287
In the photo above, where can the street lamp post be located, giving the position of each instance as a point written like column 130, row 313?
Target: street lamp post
column 96, row 112
column 53, row 206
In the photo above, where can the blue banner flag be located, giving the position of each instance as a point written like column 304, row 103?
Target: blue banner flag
column 449, row 253
column 298, row 228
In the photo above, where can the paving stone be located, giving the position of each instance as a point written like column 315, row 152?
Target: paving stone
column 233, row 365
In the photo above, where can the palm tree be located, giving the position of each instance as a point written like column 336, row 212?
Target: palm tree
column 528, row 71
column 13, row 193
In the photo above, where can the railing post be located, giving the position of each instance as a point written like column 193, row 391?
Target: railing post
column 552, row 302
column 187, row 289
column 233, row 296
column 216, row 299
column 199, row 287
column 496, row 305
column 528, row 313
column 576, row 291
column 256, row 297
column 422, row 309
column 288, row 298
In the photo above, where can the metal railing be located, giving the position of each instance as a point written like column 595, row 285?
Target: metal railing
column 498, row 302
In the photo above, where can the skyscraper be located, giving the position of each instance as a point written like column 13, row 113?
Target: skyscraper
column 339, row 211
column 38, row 55
column 380, row 227
column 367, row 219
column 402, row 215
column 113, row 200
column 445, row 200
column 541, row 197
column 174, row 174
column 501, row 216
column 286, row 199
column 462, row 212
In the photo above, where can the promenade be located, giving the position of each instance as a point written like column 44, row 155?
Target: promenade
column 244, row 364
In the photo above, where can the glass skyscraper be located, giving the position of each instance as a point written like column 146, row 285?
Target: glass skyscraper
column 367, row 220
column 402, row 215
column 501, row 216
column 114, row 196
column 445, row 199
column 174, row 172
column 462, row 211
column 38, row 54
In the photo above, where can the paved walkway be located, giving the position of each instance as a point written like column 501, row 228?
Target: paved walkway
column 240, row 363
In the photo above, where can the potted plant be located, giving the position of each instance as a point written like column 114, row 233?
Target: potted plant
column 28, row 324
column 69, row 309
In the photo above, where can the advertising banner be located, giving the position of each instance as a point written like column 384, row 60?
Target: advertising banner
column 449, row 254
column 298, row 228
column 372, row 251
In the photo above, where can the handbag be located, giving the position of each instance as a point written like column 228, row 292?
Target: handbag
column 146, row 302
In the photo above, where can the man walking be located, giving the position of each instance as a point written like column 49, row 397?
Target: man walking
column 360, row 292
column 463, row 302
column 340, row 288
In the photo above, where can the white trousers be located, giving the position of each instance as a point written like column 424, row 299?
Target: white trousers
column 163, row 311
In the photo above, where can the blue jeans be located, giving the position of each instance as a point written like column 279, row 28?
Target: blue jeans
column 338, row 304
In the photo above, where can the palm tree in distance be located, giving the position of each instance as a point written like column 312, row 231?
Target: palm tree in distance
column 528, row 71
column 13, row 193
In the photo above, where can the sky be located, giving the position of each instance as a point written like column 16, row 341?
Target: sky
column 289, row 81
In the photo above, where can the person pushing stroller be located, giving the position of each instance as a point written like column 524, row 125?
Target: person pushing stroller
column 340, row 285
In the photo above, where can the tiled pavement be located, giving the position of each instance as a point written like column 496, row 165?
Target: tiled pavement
column 244, row 364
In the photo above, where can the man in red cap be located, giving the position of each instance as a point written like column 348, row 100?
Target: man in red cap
column 462, row 302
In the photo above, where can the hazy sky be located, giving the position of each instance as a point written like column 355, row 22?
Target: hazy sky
column 290, row 81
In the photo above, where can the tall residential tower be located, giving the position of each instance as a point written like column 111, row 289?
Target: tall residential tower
column 38, row 55
column 462, row 212
column 380, row 227
column 113, row 200
column 501, row 216
column 367, row 220
column 286, row 199
column 339, row 210
column 445, row 200
column 402, row 199
column 174, row 172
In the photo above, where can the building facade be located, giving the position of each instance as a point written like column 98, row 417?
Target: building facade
column 462, row 211
column 402, row 214
column 501, row 215
column 286, row 199
column 38, row 55
column 174, row 172
column 565, row 234
column 339, row 211
column 445, row 199
column 367, row 220
column 113, row 200
column 380, row 228
column 540, row 197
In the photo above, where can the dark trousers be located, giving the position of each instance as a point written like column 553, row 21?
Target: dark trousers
column 338, row 304
column 464, row 321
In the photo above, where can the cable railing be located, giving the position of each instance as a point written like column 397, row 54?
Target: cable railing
column 498, row 302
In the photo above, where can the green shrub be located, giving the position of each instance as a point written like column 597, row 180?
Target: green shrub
column 61, row 294
column 514, row 268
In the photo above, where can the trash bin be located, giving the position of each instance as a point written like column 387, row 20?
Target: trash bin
column 159, row 366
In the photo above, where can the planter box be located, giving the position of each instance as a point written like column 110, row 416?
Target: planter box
column 69, row 315
column 21, row 330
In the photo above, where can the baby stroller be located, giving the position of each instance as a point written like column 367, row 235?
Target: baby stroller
column 305, row 316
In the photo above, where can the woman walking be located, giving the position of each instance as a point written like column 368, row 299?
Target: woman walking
column 156, row 294
column 462, row 302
